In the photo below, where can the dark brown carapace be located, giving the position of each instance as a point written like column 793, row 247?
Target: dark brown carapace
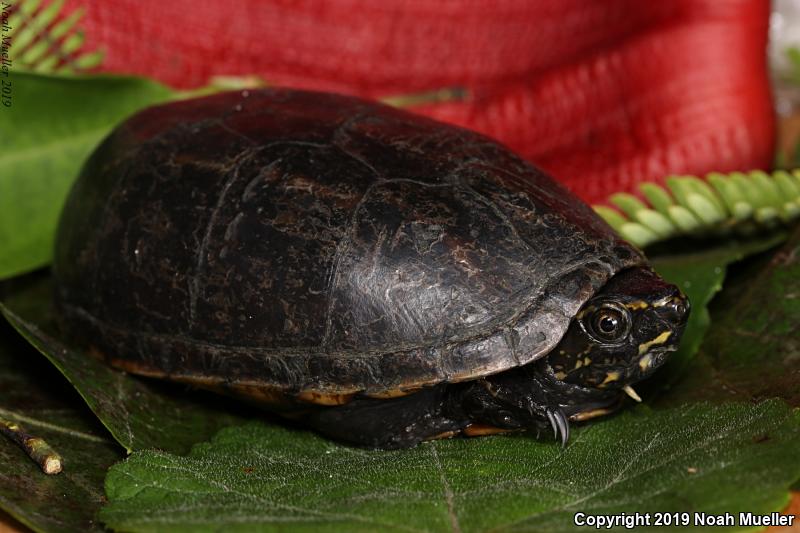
column 385, row 277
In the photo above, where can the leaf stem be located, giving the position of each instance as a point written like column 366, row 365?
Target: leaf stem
column 36, row 447
column 446, row 94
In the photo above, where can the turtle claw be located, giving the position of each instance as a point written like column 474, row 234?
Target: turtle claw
column 560, row 425
column 551, row 417
column 558, row 420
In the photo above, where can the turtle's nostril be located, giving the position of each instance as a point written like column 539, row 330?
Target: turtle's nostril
column 677, row 311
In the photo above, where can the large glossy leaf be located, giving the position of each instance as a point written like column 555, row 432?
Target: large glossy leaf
column 700, row 275
column 702, row 458
column 753, row 350
column 35, row 395
column 49, row 130
column 138, row 413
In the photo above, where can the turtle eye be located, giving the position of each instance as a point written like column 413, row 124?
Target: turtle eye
column 609, row 323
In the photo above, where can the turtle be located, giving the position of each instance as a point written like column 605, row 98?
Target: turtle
column 379, row 276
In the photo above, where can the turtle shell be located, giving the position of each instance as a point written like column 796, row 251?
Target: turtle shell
column 284, row 241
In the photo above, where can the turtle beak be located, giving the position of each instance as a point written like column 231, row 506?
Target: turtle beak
column 627, row 389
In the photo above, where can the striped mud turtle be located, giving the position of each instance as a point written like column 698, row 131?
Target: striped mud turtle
column 383, row 277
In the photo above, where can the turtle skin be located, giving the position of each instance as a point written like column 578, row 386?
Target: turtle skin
column 304, row 249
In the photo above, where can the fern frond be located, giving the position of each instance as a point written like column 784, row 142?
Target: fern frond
column 46, row 41
column 717, row 205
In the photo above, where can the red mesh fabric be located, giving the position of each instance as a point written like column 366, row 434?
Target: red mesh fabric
column 603, row 94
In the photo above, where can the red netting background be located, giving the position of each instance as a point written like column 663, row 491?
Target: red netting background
column 601, row 93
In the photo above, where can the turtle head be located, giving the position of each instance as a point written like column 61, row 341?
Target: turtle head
column 623, row 334
column 620, row 336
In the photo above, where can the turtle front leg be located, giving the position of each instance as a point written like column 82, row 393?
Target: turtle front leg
column 513, row 400
column 531, row 397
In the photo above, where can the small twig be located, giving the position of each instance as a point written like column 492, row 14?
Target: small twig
column 36, row 447
column 446, row 94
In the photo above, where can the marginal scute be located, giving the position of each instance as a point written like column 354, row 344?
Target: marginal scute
column 314, row 246
column 324, row 399
column 397, row 393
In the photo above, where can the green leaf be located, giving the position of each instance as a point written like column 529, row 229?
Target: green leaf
column 139, row 413
column 700, row 275
column 36, row 396
column 702, row 458
column 752, row 351
column 49, row 130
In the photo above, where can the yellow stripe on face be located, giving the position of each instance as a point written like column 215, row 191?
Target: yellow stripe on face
column 668, row 301
column 635, row 306
column 611, row 376
column 661, row 339
column 586, row 415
